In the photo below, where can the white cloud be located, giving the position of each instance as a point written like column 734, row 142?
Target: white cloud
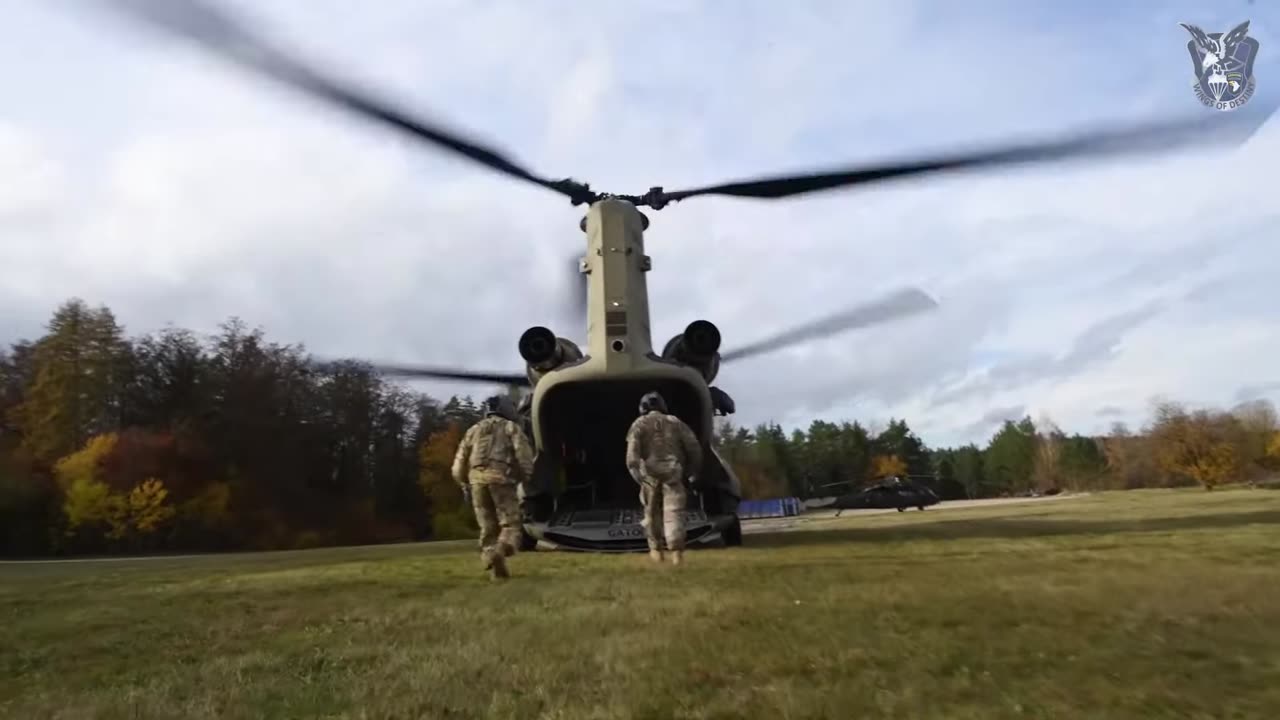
column 30, row 177
column 176, row 189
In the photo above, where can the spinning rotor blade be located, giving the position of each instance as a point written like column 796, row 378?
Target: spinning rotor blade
column 899, row 304
column 202, row 23
column 447, row 374
column 1219, row 127
column 199, row 22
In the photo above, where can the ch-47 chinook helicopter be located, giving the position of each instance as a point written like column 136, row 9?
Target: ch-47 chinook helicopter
column 583, row 399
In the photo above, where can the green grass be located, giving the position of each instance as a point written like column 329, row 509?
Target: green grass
column 1141, row 604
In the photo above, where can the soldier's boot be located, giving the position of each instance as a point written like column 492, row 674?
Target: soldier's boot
column 499, row 569
column 655, row 555
column 492, row 561
column 677, row 557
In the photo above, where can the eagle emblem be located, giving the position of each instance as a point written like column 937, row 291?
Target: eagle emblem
column 1223, row 66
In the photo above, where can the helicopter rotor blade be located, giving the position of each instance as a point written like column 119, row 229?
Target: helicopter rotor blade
column 204, row 24
column 1216, row 128
column 899, row 304
column 420, row 372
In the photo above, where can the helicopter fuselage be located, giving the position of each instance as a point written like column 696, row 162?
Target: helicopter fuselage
column 583, row 403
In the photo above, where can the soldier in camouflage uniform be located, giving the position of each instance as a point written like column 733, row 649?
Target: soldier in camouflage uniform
column 493, row 458
column 661, row 453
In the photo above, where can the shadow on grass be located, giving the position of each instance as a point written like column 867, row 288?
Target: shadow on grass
column 1006, row 528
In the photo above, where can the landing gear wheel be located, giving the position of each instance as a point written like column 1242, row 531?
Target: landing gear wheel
column 902, row 509
column 733, row 534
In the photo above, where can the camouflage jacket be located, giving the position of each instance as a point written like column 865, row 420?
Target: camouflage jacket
column 661, row 446
column 496, row 447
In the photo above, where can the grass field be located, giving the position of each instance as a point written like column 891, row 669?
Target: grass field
column 1141, row 604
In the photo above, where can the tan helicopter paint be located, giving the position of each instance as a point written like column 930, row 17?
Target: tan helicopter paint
column 619, row 343
column 617, row 291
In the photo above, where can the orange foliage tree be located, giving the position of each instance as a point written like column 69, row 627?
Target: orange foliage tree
column 88, row 503
column 1273, row 452
column 94, row 508
column 167, row 485
column 883, row 466
column 451, row 517
column 1195, row 445
column 149, row 508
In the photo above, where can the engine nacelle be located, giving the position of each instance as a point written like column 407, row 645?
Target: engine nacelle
column 698, row 346
column 543, row 352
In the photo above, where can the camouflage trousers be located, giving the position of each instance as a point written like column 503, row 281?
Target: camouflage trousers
column 497, row 506
column 664, row 500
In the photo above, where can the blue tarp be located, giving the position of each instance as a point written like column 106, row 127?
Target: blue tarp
column 774, row 507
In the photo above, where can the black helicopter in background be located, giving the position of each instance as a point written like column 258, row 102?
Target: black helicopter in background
column 895, row 492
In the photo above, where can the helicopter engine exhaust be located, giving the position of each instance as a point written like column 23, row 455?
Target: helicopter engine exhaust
column 543, row 351
column 698, row 346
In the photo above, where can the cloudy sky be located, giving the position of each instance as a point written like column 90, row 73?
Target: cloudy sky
column 176, row 189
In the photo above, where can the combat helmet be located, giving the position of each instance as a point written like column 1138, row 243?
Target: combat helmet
column 652, row 401
column 499, row 405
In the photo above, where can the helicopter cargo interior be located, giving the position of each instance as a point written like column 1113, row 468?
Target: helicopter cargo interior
column 589, row 422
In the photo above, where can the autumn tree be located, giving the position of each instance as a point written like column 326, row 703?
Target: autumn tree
column 136, row 518
column 1273, row 452
column 451, row 516
column 900, row 441
column 75, row 389
column 1252, row 426
column 92, row 510
column 887, row 466
column 1130, row 459
column 1196, row 445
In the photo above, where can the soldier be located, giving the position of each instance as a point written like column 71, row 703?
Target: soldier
column 493, row 452
column 661, row 453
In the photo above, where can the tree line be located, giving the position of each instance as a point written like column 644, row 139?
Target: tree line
column 1177, row 447
column 174, row 442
